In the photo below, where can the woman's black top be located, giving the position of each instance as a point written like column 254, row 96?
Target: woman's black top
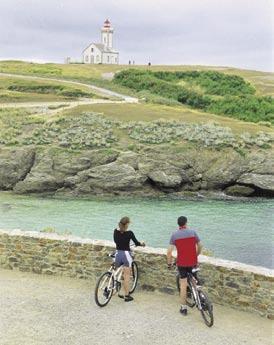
column 122, row 239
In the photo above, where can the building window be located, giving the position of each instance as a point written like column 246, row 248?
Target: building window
column 92, row 50
column 116, row 59
column 108, row 58
column 97, row 58
column 86, row 58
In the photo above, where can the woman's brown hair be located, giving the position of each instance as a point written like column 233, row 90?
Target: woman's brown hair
column 123, row 223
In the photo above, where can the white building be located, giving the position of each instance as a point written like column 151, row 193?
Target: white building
column 103, row 52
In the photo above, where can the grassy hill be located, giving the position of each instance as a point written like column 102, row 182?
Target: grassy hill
column 153, row 121
column 263, row 81
column 13, row 89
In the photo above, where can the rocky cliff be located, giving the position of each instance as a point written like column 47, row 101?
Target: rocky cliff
column 150, row 171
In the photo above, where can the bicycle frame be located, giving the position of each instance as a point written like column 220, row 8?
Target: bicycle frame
column 193, row 286
column 116, row 276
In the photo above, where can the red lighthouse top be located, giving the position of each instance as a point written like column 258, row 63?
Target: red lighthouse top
column 107, row 24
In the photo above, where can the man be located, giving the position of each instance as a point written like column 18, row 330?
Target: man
column 188, row 247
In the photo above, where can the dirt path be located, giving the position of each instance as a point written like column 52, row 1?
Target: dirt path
column 99, row 90
column 40, row 309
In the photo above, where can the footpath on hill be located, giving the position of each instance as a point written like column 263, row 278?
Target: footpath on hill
column 39, row 309
column 99, row 90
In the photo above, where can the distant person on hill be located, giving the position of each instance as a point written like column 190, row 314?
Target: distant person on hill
column 188, row 246
column 122, row 237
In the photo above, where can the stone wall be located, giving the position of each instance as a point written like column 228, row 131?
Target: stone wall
column 230, row 283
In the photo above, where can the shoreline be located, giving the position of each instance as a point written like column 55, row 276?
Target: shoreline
column 185, row 196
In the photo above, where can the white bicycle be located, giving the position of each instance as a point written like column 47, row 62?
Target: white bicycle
column 109, row 283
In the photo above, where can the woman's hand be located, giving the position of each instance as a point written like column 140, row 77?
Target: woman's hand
column 143, row 244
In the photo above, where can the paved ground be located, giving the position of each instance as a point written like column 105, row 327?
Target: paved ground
column 39, row 309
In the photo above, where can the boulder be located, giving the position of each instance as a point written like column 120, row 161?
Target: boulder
column 14, row 165
column 110, row 177
column 164, row 179
column 261, row 163
column 224, row 171
column 264, row 182
column 54, row 167
column 238, row 190
column 167, row 171
column 129, row 158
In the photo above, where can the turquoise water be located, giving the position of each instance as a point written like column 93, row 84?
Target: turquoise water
column 234, row 230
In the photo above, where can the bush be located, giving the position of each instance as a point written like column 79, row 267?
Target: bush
column 233, row 96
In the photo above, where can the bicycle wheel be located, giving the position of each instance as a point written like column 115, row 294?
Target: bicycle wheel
column 104, row 289
column 207, row 308
column 189, row 296
column 133, row 277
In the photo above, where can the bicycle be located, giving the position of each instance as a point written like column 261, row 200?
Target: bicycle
column 109, row 283
column 196, row 297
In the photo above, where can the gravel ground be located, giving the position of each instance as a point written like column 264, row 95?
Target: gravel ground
column 40, row 309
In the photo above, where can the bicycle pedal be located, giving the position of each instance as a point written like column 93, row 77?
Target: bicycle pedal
column 106, row 292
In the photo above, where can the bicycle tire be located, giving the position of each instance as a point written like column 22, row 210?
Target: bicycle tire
column 189, row 296
column 135, row 274
column 207, row 308
column 108, row 298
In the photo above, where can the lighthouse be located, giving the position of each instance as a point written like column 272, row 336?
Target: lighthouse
column 107, row 34
column 102, row 53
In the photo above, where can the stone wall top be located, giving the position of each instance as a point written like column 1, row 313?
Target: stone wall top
column 149, row 250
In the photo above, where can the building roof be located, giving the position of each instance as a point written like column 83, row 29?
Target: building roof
column 102, row 48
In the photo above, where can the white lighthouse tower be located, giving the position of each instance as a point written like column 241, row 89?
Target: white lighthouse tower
column 102, row 53
column 107, row 35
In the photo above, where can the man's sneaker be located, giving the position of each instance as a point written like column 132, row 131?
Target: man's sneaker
column 121, row 296
column 183, row 311
column 128, row 298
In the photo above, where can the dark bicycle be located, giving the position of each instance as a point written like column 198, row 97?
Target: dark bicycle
column 109, row 283
column 196, row 297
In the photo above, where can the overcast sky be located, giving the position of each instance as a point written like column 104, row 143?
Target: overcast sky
column 209, row 32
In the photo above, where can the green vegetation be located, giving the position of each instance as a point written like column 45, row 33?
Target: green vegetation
column 92, row 130
column 185, row 99
column 263, row 81
column 212, row 82
column 221, row 94
column 15, row 123
column 14, row 89
column 151, row 112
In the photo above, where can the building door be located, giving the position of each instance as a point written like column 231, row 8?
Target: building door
column 91, row 58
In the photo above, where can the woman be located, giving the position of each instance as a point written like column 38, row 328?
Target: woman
column 122, row 237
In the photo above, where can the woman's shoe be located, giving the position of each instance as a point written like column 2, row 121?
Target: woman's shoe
column 128, row 298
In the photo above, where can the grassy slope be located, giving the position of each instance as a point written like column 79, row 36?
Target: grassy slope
column 26, row 95
column 264, row 82
column 150, row 112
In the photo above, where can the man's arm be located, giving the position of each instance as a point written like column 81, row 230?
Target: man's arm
column 199, row 247
column 169, row 254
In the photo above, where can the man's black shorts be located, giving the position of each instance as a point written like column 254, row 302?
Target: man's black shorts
column 183, row 271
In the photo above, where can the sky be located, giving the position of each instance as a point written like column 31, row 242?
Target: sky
column 235, row 33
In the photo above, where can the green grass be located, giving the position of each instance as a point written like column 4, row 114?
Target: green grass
column 263, row 81
column 13, row 89
column 25, row 120
column 228, row 95
column 152, row 112
column 124, row 126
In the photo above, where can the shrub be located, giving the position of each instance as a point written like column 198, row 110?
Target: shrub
column 233, row 96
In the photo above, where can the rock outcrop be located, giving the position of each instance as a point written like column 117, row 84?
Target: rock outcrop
column 151, row 171
column 15, row 164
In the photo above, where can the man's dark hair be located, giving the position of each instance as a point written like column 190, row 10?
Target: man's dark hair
column 182, row 221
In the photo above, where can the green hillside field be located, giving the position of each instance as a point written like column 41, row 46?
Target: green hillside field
column 131, row 124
